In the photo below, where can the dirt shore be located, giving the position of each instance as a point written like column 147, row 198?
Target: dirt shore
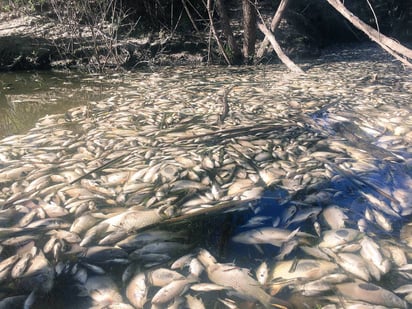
column 38, row 42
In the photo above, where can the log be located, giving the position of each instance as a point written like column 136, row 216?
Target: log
column 282, row 56
column 396, row 49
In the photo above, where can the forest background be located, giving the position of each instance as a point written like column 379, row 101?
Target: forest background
column 122, row 34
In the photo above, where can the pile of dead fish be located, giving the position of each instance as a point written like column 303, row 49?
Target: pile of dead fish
column 91, row 203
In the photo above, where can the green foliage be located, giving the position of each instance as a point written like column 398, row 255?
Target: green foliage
column 22, row 5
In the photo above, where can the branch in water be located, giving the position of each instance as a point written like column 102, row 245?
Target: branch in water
column 282, row 56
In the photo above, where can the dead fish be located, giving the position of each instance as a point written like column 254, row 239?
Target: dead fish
column 371, row 293
column 170, row 291
column 265, row 235
column 103, row 254
column 379, row 204
column 162, row 276
column 21, row 265
column 143, row 238
column 167, row 247
column 334, row 238
column 304, row 214
column 353, row 264
column 182, row 261
column 237, row 278
column 371, row 253
column 195, row 268
column 137, row 289
column 103, row 290
column 334, row 216
column 306, row 269
column 38, row 274
column 262, row 273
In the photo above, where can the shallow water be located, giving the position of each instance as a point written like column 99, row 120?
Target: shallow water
column 27, row 96
column 290, row 147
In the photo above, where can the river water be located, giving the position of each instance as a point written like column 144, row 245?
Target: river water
column 303, row 181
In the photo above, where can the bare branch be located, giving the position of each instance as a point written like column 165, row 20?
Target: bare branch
column 282, row 56
column 397, row 50
column 273, row 25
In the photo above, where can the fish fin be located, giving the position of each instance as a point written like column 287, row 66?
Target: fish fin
column 259, row 248
column 292, row 234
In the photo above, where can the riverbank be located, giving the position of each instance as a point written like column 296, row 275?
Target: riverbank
column 40, row 42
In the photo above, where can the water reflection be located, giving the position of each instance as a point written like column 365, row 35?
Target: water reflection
column 26, row 97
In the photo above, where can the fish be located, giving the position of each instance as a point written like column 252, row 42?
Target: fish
column 238, row 279
column 265, row 235
column 334, row 216
column 103, row 290
column 370, row 293
column 162, row 276
column 137, row 290
column 171, row 290
column 337, row 237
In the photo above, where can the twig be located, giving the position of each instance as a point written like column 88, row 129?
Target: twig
column 190, row 16
column 374, row 15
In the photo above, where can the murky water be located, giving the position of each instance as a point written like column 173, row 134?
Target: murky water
column 304, row 181
column 27, row 96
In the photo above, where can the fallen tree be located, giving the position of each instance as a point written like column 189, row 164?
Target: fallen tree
column 394, row 48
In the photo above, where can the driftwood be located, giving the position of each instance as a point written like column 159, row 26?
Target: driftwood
column 273, row 25
column 397, row 50
column 282, row 56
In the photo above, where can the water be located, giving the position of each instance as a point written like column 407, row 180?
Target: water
column 27, row 96
column 291, row 147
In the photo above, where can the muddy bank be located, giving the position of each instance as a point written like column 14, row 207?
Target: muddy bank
column 39, row 42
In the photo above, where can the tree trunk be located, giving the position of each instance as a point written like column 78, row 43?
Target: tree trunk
column 273, row 25
column 235, row 54
column 397, row 50
column 282, row 56
column 213, row 30
column 249, row 30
